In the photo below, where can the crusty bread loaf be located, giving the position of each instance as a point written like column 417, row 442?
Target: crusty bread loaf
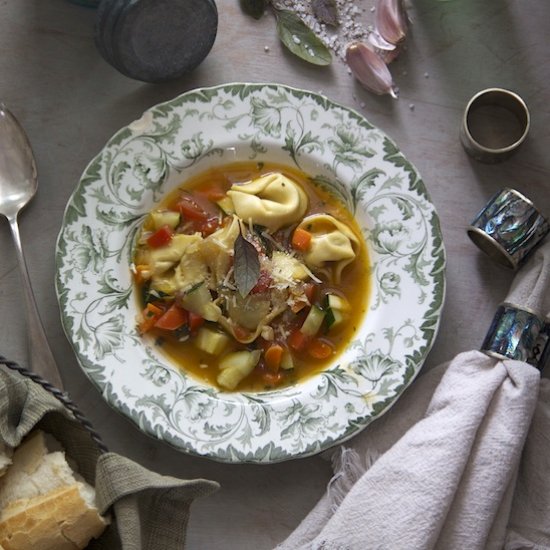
column 44, row 504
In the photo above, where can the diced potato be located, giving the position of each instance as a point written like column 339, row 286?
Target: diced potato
column 236, row 366
column 338, row 303
column 211, row 341
column 161, row 218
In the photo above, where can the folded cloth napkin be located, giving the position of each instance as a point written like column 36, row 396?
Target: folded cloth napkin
column 462, row 460
column 149, row 511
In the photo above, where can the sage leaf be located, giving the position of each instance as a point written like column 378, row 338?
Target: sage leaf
column 246, row 265
column 300, row 39
column 254, row 8
column 326, row 11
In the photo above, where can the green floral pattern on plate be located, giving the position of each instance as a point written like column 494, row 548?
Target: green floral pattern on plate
column 213, row 126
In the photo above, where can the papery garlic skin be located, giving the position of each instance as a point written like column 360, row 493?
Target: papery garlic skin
column 391, row 21
column 370, row 69
column 388, row 52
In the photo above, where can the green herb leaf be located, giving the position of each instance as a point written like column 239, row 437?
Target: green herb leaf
column 326, row 11
column 246, row 265
column 300, row 39
column 254, row 8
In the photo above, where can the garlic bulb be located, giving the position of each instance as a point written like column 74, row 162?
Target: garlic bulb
column 370, row 69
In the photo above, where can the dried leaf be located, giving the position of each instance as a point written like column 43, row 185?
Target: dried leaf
column 370, row 69
column 246, row 265
column 391, row 20
column 254, row 8
column 300, row 39
column 326, row 11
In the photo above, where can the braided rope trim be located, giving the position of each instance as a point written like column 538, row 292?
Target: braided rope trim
column 60, row 396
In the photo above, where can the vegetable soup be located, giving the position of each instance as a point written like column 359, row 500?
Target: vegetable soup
column 251, row 276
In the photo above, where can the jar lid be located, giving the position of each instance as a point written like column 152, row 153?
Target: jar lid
column 155, row 40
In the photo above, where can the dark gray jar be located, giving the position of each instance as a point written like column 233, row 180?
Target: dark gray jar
column 155, row 40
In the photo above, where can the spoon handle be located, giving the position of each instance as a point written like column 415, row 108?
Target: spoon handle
column 41, row 358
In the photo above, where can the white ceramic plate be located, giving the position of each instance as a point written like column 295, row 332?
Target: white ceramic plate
column 215, row 126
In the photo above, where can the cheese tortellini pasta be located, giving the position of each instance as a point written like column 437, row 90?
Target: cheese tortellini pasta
column 273, row 201
column 333, row 245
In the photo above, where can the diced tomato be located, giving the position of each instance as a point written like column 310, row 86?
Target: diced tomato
column 208, row 226
column 273, row 356
column 319, row 348
column 190, row 210
column 150, row 315
column 298, row 340
column 173, row 318
column 301, row 239
column 263, row 284
column 160, row 237
column 195, row 321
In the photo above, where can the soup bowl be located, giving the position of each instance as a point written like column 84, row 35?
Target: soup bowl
column 211, row 127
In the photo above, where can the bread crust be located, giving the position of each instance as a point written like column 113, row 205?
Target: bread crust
column 59, row 520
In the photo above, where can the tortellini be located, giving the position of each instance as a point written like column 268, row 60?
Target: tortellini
column 273, row 201
column 333, row 245
column 164, row 258
column 217, row 250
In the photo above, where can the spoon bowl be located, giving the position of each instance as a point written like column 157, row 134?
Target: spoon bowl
column 18, row 185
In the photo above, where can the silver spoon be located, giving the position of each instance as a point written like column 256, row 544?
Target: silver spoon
column 18, row 184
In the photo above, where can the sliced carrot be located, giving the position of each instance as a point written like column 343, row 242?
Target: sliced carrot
column 214, row 193
column 195, row 321
column 301, row 239
column 173, row 318
column 150, row 315
column 190, row 210
column 140, row 269
column 298, row 340
column 160, row 237
column 273, row 356
column 319, row 348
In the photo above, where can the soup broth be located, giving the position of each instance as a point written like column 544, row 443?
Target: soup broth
column 251, row 277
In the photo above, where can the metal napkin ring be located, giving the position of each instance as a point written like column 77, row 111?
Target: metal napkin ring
column 508, row 227
column 517, row 333
column 495, row 123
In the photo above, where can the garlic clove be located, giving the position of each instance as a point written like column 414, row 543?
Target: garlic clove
column 378, row 41
column 370, row 69
column 388, row 52
column 391, row 20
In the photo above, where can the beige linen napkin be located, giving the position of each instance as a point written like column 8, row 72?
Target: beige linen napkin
column 150, row 511
column 444, row 467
